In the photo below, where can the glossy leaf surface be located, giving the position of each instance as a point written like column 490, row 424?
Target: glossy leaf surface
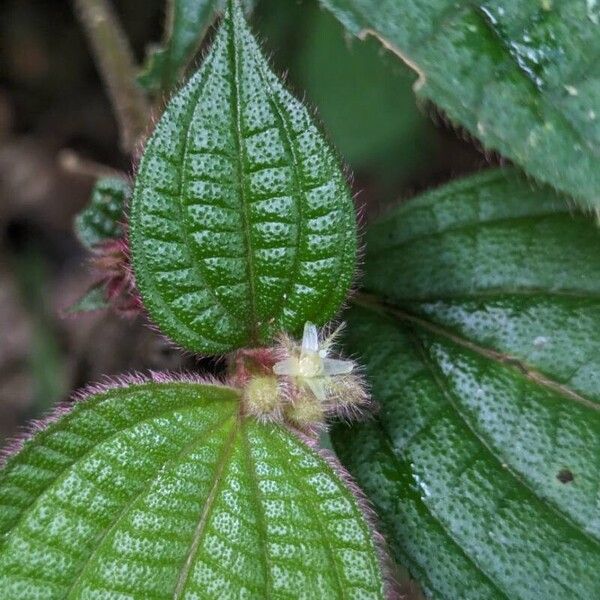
column 523, row 77
column 162, row 490
column 103, row 218
column 483, row 350
column 242, row 224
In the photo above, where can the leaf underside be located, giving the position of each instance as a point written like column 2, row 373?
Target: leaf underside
column 242, row 224
column 161, row 490
column 103, row 218
column 481, row 344
column 523, row 77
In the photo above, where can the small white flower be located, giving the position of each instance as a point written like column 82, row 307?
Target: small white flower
column 310, row 366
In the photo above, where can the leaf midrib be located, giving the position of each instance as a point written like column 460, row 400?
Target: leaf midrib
column 240, row 153
column 376, row 305
column 195, row 265
column 299, row 194
column 65, row 471
column 186, row 568
column 438, row 378
column 156, row 297
column 260, row 511
column 447, row 394
column 125, row 510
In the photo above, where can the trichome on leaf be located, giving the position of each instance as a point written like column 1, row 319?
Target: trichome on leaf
column 242, row 229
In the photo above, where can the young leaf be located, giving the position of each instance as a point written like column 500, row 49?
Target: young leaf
column 242, row 224
column 483, row 352
column 102, row 219
column 522, row 77
column 163, row 490
column 187, row 21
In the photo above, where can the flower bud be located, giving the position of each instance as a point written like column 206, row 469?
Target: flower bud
column 261, row 397
column 305, row 411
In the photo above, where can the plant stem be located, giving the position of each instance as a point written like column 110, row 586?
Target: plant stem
column 71, row 162
column 117, row 67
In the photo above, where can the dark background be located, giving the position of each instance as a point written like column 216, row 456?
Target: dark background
column 53, row 107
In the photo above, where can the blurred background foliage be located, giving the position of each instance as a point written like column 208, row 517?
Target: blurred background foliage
column 57, row 131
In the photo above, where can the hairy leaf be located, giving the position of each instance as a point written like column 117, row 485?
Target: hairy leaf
column 163, row 490
column 102, row 219
column 242, row 224
column 523, row 77
column 482, row 345
column 186, row 24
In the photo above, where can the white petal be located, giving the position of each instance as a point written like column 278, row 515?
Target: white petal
column 317, row 387
column 310, row 339
column 289, row 366
column 333, row 366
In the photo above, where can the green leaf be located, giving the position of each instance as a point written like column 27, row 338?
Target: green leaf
column 162, row 490
column 102, row 219
column 94, row 299
column 242, row 224
column 522, row 77
column 187, row 22
column 481, row 343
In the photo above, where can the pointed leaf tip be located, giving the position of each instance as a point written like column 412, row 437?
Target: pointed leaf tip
column 242, row 224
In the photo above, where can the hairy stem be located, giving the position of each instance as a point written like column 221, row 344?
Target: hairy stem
column 117, row 67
